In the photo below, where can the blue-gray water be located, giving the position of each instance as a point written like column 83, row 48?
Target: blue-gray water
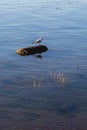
column 48, row 93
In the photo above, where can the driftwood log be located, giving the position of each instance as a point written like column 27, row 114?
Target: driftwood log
column 31, row 50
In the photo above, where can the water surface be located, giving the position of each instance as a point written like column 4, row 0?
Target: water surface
column 48, row 93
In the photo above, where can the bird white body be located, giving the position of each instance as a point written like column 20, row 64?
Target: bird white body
column 38, row 41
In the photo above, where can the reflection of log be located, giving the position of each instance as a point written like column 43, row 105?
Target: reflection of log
column 31, row 50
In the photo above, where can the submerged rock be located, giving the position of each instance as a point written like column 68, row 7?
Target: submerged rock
column 31, row 50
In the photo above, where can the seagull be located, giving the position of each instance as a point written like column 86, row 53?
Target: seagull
column 38, row 41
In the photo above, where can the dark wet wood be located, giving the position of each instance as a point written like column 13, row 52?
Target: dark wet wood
column 31, row 50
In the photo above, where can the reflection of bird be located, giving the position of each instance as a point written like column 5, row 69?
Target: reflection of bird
column 38, row 41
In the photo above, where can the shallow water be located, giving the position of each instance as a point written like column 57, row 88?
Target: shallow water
column 48, row 93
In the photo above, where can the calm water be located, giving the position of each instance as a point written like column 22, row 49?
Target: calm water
column 48, row 93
